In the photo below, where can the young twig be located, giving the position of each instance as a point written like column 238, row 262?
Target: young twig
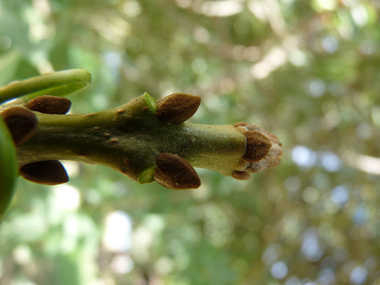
column 146, row 140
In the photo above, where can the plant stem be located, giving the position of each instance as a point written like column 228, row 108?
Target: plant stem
column 128, row 139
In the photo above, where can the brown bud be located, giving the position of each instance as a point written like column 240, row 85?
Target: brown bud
column 177, row 108
column 21, row 123
column 50, row 172
column 258, row 146
column 175, row 172
column 238, row 124
column 50, row 104
column 269, row 135
column 241, row 175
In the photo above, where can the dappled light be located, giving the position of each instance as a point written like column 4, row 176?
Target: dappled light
column 306, row 71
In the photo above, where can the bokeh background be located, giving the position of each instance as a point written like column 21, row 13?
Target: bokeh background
column 307, row 71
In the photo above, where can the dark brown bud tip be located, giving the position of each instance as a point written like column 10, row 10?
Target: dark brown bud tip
column 50, row 104
column 177, row 108
column 49, row 172
column 21, row 123
column 175, row 172
column 258, row 146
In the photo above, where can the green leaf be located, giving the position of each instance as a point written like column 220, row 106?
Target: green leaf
column 152, row 103
column 8, row 168
column 147, row 175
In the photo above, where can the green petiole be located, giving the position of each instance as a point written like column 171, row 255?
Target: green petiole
column 60, row 83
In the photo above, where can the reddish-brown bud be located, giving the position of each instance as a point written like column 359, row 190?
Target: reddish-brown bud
column 263, row 149
column 49, row 172
column 175, row 172
column 49, row 104
column 258, row 146
column 21, row 122
column 177, row 108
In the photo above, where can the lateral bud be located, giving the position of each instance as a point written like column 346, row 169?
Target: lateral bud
column 21, row 122
column 177, row 107
column 49, row 104
column 175, row 172
column 50, row 172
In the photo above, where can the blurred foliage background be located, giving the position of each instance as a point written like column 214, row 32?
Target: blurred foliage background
column 307, row 71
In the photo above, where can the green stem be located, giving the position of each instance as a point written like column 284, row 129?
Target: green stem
column 128, row 139
column 60, row 83
column 143, row 139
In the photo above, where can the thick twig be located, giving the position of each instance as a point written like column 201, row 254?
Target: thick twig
column 129, row 139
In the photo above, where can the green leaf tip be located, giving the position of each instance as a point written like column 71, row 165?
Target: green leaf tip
column 151, row 102
column 147, row 175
